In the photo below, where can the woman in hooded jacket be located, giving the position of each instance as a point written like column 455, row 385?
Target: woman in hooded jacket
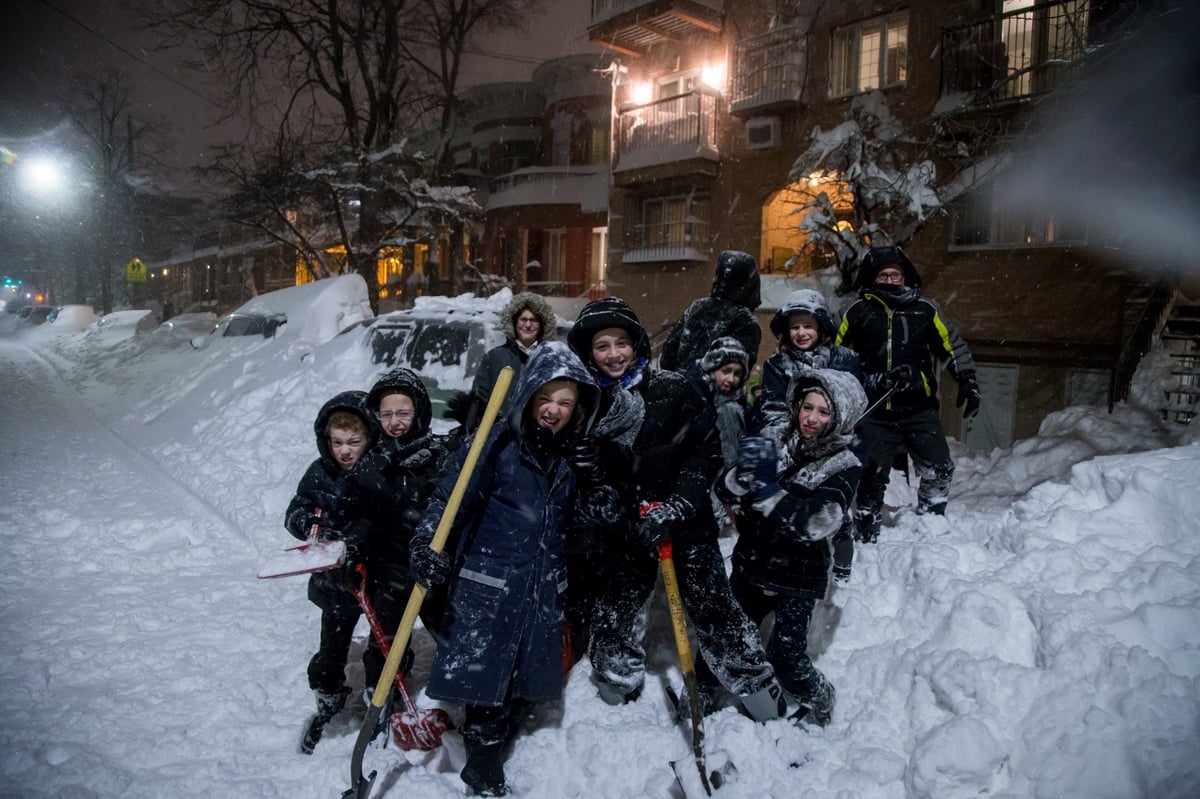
column 792, row 489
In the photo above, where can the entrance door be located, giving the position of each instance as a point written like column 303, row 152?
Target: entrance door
column 993, row 425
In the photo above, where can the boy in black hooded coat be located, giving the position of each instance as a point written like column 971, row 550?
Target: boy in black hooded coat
column 674, row 459
column 727, row 311
column 329, row 485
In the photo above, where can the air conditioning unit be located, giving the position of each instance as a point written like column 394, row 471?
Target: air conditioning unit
column 762, row 132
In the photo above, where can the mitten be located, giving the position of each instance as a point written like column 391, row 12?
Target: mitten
column 427, row 566
column 968, row 395
column 758, row 464
column 584, row 457
column 658, row 522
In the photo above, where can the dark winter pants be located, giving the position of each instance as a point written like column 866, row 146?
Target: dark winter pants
column 327, row 669
column 918, row 433
column 727, row 639
column 787, row 648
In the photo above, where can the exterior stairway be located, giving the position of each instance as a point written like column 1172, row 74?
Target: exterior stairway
column 1181, row 336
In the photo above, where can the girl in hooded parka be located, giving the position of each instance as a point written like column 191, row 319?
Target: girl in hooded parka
column 792, row 489
column 502, row 632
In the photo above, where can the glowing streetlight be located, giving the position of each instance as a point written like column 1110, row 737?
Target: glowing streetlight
column 43, row 176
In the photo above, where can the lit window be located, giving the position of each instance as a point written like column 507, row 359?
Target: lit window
column 871, row 55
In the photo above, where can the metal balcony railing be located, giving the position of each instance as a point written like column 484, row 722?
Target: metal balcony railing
column 1019, row 54
column 768, row 69
column 670, row 129
column 603, row 9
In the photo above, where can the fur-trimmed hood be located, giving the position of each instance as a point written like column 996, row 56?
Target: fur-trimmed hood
column 528, row 301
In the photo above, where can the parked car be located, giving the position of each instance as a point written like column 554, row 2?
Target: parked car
column 243, row 323
column 36, row 314
column 189, row 325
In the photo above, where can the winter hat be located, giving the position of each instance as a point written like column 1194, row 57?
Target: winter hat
column 604, row 313
column 402, row 380
column 807, row 301
column 737, row 280
column 726, row 349
column 879, row 257
column 536, row 304
column 841, row 390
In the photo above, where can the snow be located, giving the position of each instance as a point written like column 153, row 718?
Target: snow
column 1039, row 641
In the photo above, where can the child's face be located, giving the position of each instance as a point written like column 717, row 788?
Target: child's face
column 553, row 404
column 813, row 416
column 612, row 351
column 728, row 377
column 347, row 446
column 803, row 332
column 396, row 414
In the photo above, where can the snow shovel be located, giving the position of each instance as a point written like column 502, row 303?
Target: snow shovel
column 360, row 784
column 679, row 625
column 414, row 729
column 314, row 555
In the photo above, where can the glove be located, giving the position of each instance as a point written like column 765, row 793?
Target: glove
column 427, row 566
column 584, row 457
column 900, row 378
column 658, row 522
column 968, row 395
column 349, row 575
column 758, row 465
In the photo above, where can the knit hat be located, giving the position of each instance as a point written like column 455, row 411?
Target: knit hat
column 879, row 257
column 726, row 349
column 603, row 313
column 807, row 301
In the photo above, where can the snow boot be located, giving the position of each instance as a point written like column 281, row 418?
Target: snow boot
column 766, row 703
column 613, row 694
column 329, row 704
column 484, row 771
column 816, row 697
column 710, row 702
column 866, row 525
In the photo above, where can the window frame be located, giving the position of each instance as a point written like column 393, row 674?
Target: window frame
column 846, row 55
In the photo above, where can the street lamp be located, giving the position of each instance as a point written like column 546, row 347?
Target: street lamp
column 43, row 177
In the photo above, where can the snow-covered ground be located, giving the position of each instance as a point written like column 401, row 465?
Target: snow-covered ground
column 1040, row 641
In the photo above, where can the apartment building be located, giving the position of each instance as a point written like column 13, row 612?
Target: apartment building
column 714, row 101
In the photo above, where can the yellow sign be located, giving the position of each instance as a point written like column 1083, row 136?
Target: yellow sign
column 135, row 271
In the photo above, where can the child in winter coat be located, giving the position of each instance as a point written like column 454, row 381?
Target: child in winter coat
column 502, row 646
column 345, row 431
column 396, row 479
column 674, row 459
column 792, row 491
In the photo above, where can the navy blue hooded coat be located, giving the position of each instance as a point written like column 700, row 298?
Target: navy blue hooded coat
column 504, row 620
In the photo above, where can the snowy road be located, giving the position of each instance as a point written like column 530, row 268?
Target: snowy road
column 109, row 560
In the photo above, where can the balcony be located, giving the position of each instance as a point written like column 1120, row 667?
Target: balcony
column 768, row 72
column 633, row 27
column 586, row 187
column 674, row 130
column 1016, row 55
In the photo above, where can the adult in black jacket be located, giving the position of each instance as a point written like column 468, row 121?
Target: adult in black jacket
column 674, row 459
column 903, row 341
column 727, row 311
column 792, row 489
column 329, row 485
column 396, row 479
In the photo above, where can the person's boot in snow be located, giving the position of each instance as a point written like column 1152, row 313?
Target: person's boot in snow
column 816, row 696
column 484, row 771
column 766, row 703
column 614, row 694
column 866, row 525
column 329, row 703
column 710, row 701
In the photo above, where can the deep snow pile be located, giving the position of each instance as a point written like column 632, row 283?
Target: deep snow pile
column 1038, row 641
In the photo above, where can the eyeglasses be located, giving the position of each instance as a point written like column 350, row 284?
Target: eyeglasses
column 528, row 320
column 399, row 416
column 890, row 276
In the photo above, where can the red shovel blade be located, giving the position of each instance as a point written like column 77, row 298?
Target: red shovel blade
column 422, row 730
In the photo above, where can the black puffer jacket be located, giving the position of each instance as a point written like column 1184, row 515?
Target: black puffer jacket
column 783, row 539
column 890, row 326
column 336, row 492
column 727, row 311
column 397, row 476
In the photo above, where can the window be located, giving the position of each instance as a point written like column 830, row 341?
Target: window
column 669, row 228
column 870, row 55
column 556, row 256
column 981, row 220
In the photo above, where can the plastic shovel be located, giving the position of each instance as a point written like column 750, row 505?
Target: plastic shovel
column 414, row 728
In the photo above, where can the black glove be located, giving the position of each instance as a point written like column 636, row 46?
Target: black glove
column 758, row 464
column 900, row 378
column 349, row 574
column 584, row 457
column 427, row 566
column 658, row 522
column 968, row 395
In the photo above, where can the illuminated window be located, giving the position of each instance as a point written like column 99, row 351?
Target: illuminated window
column 870, row 55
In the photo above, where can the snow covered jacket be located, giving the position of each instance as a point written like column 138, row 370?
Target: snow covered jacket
column 781, row 368
column 510, row 353
column 334, row 490
column 783, row 539
column 890, row 326
column 504, row 618
column 727, row 311
column 397, row 475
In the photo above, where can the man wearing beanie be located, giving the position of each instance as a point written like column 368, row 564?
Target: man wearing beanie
column 903, row 341
column 727, row 311
column 671, row 459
